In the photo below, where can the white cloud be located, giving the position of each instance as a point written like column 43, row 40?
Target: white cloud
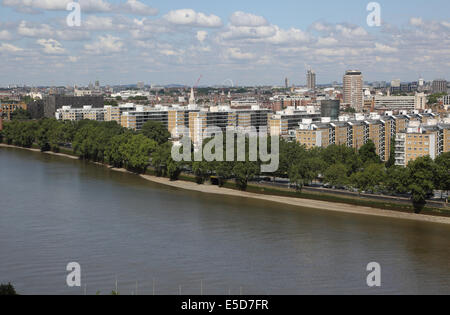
column 245, row 32
column 327, row 41
column 5, row 35
column 201, row 36
column 240, row 18
column 42, row 30
column 351, row 31
column 415, row 21
column 236, row 53
column 57, row 5
column 384, row 48
column 292, row 35
column 96, row 23
column 138, row 8
column 104, row 45
column 4, row 47
column 189, row 17
column 51, row 46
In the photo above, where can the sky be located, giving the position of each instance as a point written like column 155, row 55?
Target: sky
column 247, row 42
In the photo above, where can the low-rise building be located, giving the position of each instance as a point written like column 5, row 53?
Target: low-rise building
column 9, row 107
column 67, row 113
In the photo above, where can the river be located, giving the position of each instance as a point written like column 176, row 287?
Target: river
column 124, row 230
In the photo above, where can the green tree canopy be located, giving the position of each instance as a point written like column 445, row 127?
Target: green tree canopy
column 422, row 172
column 156, row 131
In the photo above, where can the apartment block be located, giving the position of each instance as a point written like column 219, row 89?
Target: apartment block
column 414, row 144
column 76, row 114
column 136, row 119
column 114, row 113
column 353, row 89
column 9, row 107
column 352, row 133
column 282, row 123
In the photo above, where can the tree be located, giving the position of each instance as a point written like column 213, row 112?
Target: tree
column 421, row 180
column 137, row 153
column 368, row 153
column 156, row 131
column 304, row 172
column 223, row 171
column 202, row 171
column 371, row 178
column 20, row 114
column 20, row 133
column 391, row 161
column 442, row 178
column 244, row 172
column 7, row 289
column 47, row 134
column 160, row 159
column 114, row 154
column 341, row 154
column 397, row 180
column 336, row 175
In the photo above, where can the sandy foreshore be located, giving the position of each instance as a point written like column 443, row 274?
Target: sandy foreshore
column 304, row 203
column 298, row 202
column 2, row 145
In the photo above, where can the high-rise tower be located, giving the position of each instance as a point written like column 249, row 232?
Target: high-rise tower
column 353, row 89
column 311, row 80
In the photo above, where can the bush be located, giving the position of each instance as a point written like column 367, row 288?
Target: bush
column 7, row 289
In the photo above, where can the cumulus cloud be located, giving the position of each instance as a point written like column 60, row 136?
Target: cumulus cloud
column 385, row 48
column 32, row 6
column 240, row 18
column 201, row 36
column 9, row 48
column 41, row 30
column 327, row 41
column 138, row 8
column 5, row 35
column 51, row 46
column 236, row 53
column 189, row 17
column 104, row 45
column 415, row 21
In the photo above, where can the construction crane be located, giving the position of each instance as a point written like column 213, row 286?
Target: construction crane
column 198, row 81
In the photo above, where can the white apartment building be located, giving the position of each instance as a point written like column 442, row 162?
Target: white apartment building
column 76, row 114
column 416, row 102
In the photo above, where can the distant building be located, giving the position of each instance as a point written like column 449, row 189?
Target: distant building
column 36, row 109
column 67, row 113
column 311, row 80
column 353, row 89
column 54, row 102
column 395, row 102
column 446, row 102
column 421, row 140
column 439, row 86
column 330, row 108
column 244, row 103
column 9, row 107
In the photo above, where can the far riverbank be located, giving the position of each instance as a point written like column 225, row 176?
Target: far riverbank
column 293, row 201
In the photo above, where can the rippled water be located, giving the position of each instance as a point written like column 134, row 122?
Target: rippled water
column 118, row 226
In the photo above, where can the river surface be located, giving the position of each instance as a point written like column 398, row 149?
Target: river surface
column 127, row 231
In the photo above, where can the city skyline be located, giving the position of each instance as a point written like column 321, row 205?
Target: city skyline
column 124, row 42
